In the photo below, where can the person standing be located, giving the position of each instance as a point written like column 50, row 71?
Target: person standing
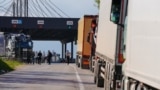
column 49, row 57
column 68, row 56
column 39, row 57
column 29, row 57
column 33, row 57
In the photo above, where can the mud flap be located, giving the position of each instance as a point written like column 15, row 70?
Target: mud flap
column 100, row 82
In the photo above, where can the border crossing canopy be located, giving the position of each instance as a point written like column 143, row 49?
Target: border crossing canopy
column 63, row 29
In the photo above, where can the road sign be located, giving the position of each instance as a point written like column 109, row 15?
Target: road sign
column 15, row 21
column 69, row 22
column 40, row 22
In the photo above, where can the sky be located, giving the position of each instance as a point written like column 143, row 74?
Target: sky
column 74, row 9
column 77, row 8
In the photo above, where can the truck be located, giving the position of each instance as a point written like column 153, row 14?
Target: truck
column 128, row 39
column 109, row 46
column 18, row 45
column 2, row 44
column 83, row 47
column 92, row 37
column 141, row 68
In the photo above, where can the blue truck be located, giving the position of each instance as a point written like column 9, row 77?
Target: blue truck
column 2, row 44
column 18, row 46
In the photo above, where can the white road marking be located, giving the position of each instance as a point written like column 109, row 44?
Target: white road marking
column 81, row 86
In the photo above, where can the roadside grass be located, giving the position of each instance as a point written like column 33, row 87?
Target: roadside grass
column 8, row 65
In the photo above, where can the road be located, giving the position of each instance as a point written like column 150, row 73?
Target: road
column 57, row 76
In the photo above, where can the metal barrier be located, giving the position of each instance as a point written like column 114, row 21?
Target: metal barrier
column 102, row 69
column 100, row 79
column 102, row 73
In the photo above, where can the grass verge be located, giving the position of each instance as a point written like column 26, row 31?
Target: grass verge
column 8, row 65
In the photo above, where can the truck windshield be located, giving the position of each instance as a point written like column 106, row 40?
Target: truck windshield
column 115, row 11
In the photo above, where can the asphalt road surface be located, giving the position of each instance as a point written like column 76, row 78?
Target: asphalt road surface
column 57, row 76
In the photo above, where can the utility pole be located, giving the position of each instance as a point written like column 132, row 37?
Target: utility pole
column 17, row 8
column 20, row 8
column 26, row 8
column 14, row 8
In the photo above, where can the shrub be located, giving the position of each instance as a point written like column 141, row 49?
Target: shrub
column 8, row 65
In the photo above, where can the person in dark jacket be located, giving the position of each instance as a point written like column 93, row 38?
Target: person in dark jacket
column 39, row 57
column 68, row 56
column 49, row 57
column 33, row 59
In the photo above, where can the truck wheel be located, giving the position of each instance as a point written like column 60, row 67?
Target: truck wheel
column 95, row 80
column 100, row 82
column 78, row 65
column 92, row 69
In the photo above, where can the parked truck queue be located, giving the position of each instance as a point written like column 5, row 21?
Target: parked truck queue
column 123, row 44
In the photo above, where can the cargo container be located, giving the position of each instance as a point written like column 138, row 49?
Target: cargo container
column 141, row 69
column 83, row 46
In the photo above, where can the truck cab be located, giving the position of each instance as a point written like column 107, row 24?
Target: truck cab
column 18, row 46
column 110, row 44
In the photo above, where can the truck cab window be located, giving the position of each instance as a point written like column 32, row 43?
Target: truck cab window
column 115, row 11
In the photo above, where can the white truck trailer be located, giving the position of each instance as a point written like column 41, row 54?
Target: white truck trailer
column 141, row 68
column 109, row 48
column 128, row 30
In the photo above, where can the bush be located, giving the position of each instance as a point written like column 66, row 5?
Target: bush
column 8, row 65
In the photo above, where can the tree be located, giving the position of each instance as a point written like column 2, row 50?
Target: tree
column 97, row 2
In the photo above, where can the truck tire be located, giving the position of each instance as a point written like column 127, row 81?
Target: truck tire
column 92, row 70
column 95, row 80
column 81, row 66
column 78, row 65
column 100, row 82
